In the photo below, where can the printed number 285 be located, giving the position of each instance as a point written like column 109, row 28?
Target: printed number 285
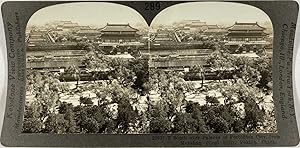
column 152, row 6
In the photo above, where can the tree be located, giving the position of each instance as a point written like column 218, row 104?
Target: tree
column 85, row 101
column 119, row 70
column 47, row 95
column 143, row 123
column 32, row 122
column 67, row 110
column 95, row 61
column 199, row 72
column 200, row 125
column 89, row 47
column 172, row 89
column 254, row 116
column 74, row 72
column 264, row 66
column 90, row 119
column 211, row 99
column 46, row 91
column 126, row 117
column 90, row 125
column 140, row 68
column 247, row 70
column 250, row 97
column 218, row 125
column 160, row 121
column 221, row 62
column 189, row 123
column 30, row 80
column 55, row 123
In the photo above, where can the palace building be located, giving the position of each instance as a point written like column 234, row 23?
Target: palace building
column 87, row 32
column 164, row 36
column 246, row 33
column 246, row 37
column 119, row 33
column 214, row 30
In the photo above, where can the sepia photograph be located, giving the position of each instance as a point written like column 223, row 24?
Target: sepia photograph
column 99, row 68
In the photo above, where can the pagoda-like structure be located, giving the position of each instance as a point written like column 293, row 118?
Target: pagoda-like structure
column 246, row 32
column 246, row 35
column 119, row 33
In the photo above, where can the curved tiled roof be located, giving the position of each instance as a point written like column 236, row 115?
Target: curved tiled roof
column 213, row 27
column 118, row 27
column 90, row 31
column 246, row 26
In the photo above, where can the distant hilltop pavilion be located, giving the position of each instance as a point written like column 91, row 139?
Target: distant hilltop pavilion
column 119, row 33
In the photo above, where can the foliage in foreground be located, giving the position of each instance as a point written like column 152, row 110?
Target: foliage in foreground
column 117, row 108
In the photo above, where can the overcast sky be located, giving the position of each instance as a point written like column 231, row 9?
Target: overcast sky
column 212, row 13
column 100, row 13
column 87, row 13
